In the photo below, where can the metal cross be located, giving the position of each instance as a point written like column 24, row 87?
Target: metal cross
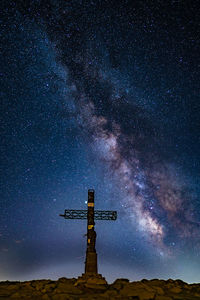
column 90, row 214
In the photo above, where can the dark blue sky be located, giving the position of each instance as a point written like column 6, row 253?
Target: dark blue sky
column 103, row 96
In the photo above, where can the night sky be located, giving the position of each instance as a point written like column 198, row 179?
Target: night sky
column 102, row 95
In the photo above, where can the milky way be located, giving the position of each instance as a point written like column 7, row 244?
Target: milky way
column 103, row 95
column 152, row 187
column 119, row 128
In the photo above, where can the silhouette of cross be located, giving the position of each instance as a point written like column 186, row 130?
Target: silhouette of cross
column 90, row 214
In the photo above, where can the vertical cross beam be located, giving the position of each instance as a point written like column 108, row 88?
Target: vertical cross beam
column 91, row 255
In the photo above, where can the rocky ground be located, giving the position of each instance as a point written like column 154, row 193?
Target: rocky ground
column 65, row 289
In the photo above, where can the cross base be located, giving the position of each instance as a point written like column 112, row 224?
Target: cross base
column 91, row 280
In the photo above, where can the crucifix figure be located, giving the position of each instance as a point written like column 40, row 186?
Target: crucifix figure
column 91, row 269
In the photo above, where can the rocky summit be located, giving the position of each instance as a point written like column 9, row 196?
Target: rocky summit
column 68, row 289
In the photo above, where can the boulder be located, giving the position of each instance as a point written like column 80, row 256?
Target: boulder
column 48, row 288
column 110, row 293
column 131, row 291
column 66, row 288
column 119, row 283
column 175, row 290
column 66, row 280
column 158, row 290
column 39, row 285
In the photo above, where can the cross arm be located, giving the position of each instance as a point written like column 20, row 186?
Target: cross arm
column 82, row 214
column 110, row 215
column 74, row 214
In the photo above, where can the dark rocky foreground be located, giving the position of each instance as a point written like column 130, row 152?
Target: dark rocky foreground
column 65, row 289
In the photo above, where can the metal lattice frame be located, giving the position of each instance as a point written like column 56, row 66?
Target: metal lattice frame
column 82, row 214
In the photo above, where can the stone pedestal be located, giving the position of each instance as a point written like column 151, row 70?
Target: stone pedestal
column 91, row 280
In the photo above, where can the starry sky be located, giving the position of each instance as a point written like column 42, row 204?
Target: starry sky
column 102, row 95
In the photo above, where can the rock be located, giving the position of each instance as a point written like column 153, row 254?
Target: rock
column 67, row 289
column 164, row 298
column 39, row 285
column 49, row 287
column 5, row 292
column 175, row 290
column 131, row 291
column 158, row 290
column 148, row 288
column 90, row 289
column 27, row 291
column 144, row 281
column 61, row 297
column 15, row 295
column 63, row 279
column 94, row 297
column 170, row 280
column 95, row 286
column 110, row 293
column 45, row 297
column 97, row 281
column 146, row 295
column 119, row 283
column 121, row 280
column 181, row 282
column 66, row 280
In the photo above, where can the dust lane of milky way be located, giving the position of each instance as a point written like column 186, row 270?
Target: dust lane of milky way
column 123, row 134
